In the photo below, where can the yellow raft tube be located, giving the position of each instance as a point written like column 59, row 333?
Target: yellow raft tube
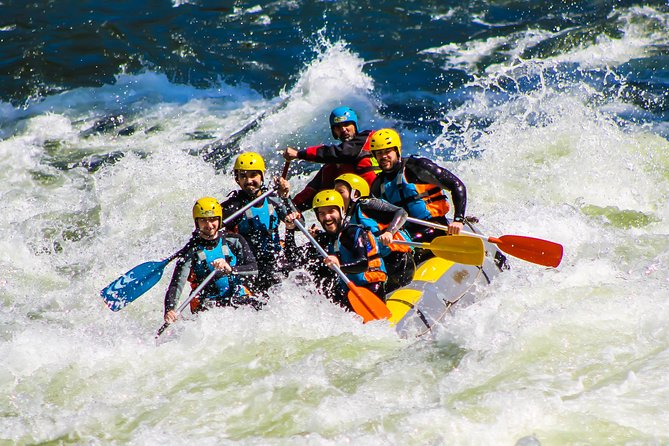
column 438, row 284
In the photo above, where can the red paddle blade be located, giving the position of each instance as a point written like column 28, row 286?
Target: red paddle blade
column 367, row 304
column 535, row 250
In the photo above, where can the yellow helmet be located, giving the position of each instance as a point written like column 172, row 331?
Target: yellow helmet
column 250, row 161
column 355, row 182
column 385, row 139
column 207, row 207
column 328, row 197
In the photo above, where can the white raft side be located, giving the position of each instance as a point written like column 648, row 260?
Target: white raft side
column 437, row 286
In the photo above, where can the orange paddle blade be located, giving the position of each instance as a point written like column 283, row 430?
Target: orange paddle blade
column 535, row 250
column 367, row 304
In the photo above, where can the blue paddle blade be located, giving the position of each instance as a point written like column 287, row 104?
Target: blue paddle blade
column 133, row 284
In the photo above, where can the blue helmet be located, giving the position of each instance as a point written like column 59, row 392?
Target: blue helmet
column 343, row 114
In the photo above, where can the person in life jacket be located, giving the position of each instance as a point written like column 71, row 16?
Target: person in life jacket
column 385, row 221
column 212, row 249
column 353, row 248
column 350, row 156
column 259, row 224
column 419, row 186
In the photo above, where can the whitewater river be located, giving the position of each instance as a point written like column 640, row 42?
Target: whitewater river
column 554, row 139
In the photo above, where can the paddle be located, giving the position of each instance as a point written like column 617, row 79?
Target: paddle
column 142, row 278
column 535, row 250
column 185, row 303
column 134, row 283
column 364, row 302
column 465, row 250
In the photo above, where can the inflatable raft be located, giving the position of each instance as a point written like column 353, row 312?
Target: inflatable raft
column 438, row 285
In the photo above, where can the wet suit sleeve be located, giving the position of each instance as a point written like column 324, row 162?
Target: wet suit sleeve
column 239, row 199
column 290, row 248
column 384, row 212
column 246, row 261
column 422, row 170
column 347, row 152
column 353, row 238
column 179, row 279
column 307, row 256
column 292, row 252
column 304, row 255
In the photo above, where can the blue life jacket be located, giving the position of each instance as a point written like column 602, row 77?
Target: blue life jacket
column 358, row 217
column 260, row 228
column 226, row 286
column 376, row 269
column 423, row 201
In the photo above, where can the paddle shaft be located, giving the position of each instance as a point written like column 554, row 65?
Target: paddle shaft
column 186, row 302
column 541, row 252
column 423, row 245
column 321, row 251
column 363, row 301
column 429, row 224
column 148, row 278
column 227, row 220
column 240, row 211
column 445, row 228
column 284, row 174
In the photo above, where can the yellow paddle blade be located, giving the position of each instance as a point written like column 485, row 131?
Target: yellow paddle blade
column 458, row 249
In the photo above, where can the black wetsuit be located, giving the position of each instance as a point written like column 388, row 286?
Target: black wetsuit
column 350, row 156
column 190, row 267
column 380, row 216
column 306, row 256
column 330, row 284
column 424, row 171
column 264, row 241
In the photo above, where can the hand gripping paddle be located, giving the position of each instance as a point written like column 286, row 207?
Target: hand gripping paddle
column 364, row 302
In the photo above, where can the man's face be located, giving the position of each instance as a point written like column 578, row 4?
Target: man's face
column 345, row 192
column 208, row 227
column 387, row 158
column 250, row 181
column 344, row 131
column 330, row 218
